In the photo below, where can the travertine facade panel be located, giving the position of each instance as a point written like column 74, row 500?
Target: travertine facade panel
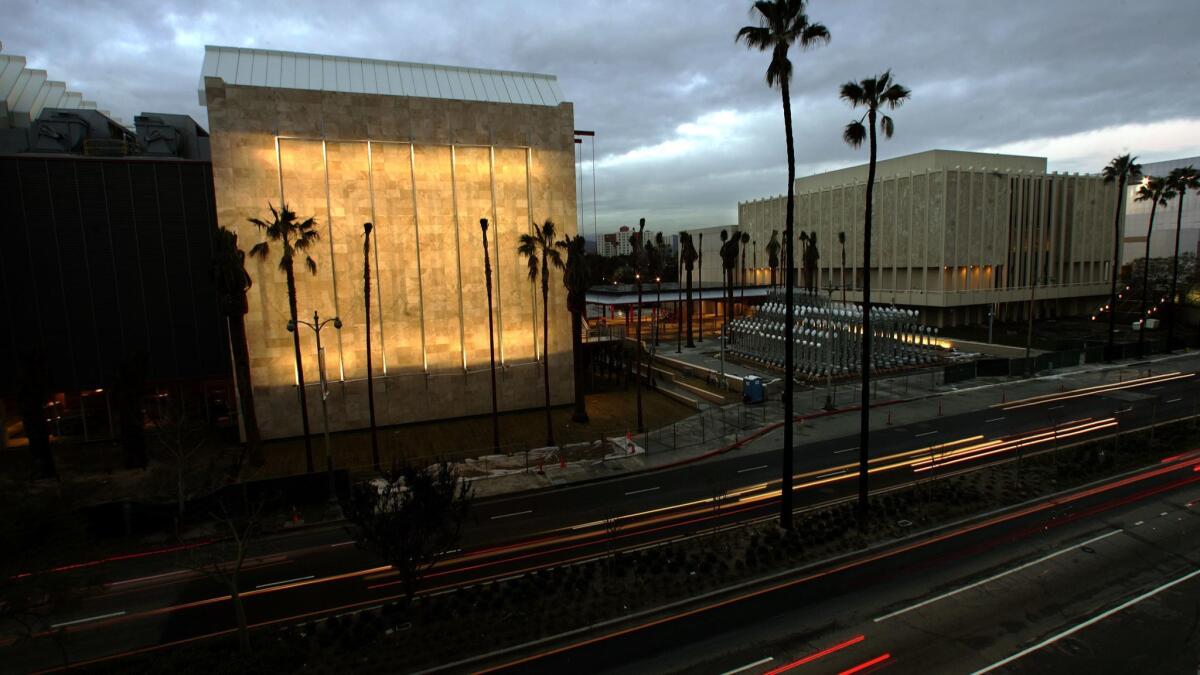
column 423, row 171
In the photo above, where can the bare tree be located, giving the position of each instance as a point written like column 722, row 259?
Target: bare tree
column 223, row 560
column 181, row 442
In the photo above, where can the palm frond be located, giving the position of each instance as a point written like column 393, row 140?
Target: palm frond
column 755, row 37
column 886, row 126
column 854, row 134
column 310, row 264
column 260, row 250
column 895, row 96
column 852, row 93
column 813, row 35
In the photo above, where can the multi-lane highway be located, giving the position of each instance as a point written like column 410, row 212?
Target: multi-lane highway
column 1102, row 580
column 150, row 602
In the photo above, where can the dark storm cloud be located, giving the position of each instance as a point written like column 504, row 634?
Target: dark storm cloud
column 685, row 125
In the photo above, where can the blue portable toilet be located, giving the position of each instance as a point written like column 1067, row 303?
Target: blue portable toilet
column 752, row 389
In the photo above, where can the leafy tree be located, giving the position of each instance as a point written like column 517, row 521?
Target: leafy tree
column 781, row 24
column 687, row 253
column 540, row 253
column 409, row 516
column 576, row 281
column 1180, row 181
column 295, row 237
column 367, row 227
column 232, row 281
column 874, row 94
column 1121, row 169
column 1158, row 192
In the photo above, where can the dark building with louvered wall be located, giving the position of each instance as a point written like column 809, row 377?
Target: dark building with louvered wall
column 101, row 259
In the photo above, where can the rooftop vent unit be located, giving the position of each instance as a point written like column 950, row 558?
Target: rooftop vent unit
column 80, row 132
column 168, row 135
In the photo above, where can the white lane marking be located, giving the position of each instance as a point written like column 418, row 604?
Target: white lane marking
column 838, row 452
column 638, row 492
column 1162, row 514
column 1096, row 619
column 285, row 581
column 153, row 576
column 927, row 433
column 341, row 543
column 1055, row 407
column 994, row 419
column 1174, row 400
column 753, row 468
column 90, row 618
column 832, row 473
column 510, row 515
column 748, row 666
column 994, row 577
column 1138, row 523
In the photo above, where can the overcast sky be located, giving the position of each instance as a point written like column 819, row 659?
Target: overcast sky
column 685, row 124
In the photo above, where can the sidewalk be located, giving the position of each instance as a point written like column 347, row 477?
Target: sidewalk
column 740, row 428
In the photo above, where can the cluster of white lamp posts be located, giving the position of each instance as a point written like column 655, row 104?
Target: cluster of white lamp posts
column 828, row 336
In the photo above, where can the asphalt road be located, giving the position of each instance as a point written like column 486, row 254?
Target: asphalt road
column 318, row 572
column 1108, row 582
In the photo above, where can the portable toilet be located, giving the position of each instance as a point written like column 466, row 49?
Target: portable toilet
column 752, row 389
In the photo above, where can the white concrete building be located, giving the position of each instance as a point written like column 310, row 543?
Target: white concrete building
column 956, row 232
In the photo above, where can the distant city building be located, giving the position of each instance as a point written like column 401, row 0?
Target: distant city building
column 423, row 152
column 956, row 233
column 621, row 242
column 1162, row 242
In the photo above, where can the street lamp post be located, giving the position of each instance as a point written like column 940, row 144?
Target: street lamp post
column 316, row 325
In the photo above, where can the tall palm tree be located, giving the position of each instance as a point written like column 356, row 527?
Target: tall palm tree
column 874, row 94
column 1121, row 169
column 1158, row 192
column 367, row 227
column 655, row 267
column 576, row 280
column 1180, row 181
column 295, row 237
column 773, row 256
column 487, row 274
column 781, row 24
column 637, row 363
column 232, row 281
column 688, row 255
column 700, row 283
column 724, row 253
column 842, row 273
column 540, row 253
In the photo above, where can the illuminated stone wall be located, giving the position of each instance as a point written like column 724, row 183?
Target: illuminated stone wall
column 424, row 171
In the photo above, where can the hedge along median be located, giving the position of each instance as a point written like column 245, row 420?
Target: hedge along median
column 533, row 606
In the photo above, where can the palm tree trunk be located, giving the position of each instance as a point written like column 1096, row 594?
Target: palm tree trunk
column 241, row 369
column 546, row 347
column 291, row 289
column 1146, row 283
column 637, row 363
column 487, row 272
column 1175, row 270
column 789, row 385
column 1112, row 294
column 864, row 431
column 843, row 273
column 370, row 370
column 580, row 415
column 690, row 343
